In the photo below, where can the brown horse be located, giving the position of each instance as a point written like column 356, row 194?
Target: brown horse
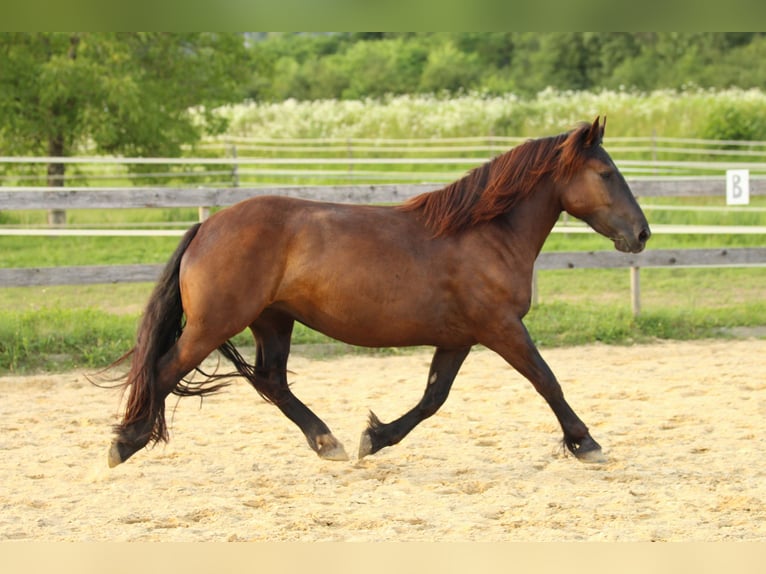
column 450, row 269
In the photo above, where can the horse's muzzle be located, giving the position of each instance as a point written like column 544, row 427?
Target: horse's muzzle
column 634, row 244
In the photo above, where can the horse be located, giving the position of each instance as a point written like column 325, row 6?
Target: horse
column 450, row 269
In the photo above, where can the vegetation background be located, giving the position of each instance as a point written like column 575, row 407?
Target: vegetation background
column 362, row 65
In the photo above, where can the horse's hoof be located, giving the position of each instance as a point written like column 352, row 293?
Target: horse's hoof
column 594, row 456
column 329, row 448
column 365, row 445
column 114, row 455
column 333, row 453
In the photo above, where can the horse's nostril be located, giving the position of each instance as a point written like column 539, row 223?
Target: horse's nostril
column 644, row 236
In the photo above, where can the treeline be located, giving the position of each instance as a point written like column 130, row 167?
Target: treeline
column 362, row 65
column 153, row 93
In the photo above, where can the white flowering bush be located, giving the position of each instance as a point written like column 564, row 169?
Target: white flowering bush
column 667, row 113
column 691, row 113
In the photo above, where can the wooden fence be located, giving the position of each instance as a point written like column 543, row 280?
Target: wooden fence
column 251, row 161
column 14, row 198
column 110, row 198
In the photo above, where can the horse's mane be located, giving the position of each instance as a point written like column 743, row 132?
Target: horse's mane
column 495, row 187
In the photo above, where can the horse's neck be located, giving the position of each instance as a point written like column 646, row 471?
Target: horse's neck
column 532, row 220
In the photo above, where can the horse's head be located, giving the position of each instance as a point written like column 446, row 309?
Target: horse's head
column 597, row 193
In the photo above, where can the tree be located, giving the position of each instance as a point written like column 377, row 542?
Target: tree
column 380, row 67
column 450, row 69
column 130, row 93
column 494, row 49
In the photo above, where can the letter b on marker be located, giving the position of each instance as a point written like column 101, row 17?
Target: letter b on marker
column 737, row 187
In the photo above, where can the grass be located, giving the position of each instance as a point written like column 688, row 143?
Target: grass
column 56, row 338
column 563, row 324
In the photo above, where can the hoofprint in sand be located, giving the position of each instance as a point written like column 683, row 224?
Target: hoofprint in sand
column 681, row 424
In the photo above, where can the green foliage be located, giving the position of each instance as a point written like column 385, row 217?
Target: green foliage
column 449, row 69
column 122, row 93
column 390, row 67
column 743, row 121
column 355, row 66
column 362, row 69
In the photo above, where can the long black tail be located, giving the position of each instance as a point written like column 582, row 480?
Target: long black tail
column 160, row 327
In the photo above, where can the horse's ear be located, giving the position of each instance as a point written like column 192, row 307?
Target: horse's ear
column 595, row 134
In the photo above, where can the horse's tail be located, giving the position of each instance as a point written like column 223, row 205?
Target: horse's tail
column 160, row 327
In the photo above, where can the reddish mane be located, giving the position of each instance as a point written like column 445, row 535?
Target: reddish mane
column 493, row 188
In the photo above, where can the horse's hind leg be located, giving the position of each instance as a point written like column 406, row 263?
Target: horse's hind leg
column 273, row 331
column 144, row 420
column 444, row 368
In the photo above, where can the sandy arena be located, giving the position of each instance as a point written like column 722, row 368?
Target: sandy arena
column 682, row 424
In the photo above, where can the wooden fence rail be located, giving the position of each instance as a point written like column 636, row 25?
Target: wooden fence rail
column 14, row 198
column 94, row 274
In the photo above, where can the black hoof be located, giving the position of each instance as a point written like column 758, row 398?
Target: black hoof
column 365, row 444
column 370, row 442
column 586, row 450
column 119, row 452
column 594, row 456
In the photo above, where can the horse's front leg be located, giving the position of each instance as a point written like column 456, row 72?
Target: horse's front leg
column 516, row 346
column 444, row 368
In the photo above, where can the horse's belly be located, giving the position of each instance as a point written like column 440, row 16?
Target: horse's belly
column 381, row 325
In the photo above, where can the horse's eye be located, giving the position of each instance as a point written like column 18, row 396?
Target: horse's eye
column 606, row 175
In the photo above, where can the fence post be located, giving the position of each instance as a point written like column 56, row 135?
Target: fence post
column 350, row 152
column 234, row 167
column 635, row 290
column 57, row 216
